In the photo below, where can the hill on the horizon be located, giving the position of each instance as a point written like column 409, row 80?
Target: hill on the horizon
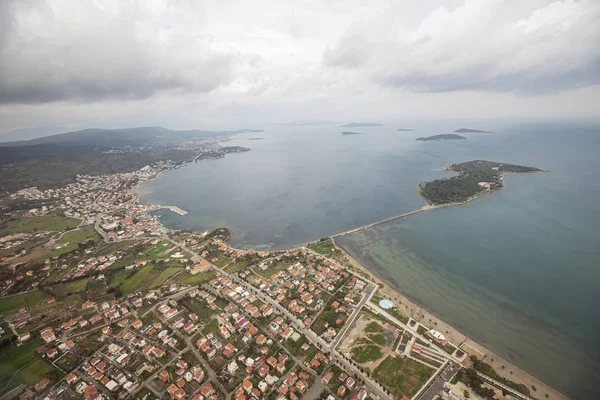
column 468, row 130
column 118, row 138
column 444, row 136
column 54, row 161
column 360, row 125
column 35, row 132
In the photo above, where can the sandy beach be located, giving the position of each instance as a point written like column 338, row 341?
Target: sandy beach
column 411, row 309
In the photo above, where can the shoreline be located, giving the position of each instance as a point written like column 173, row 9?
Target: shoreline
column 420, row 313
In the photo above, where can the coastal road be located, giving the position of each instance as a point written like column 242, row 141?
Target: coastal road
column 366, row 298
column 503, row 387
column 360, row 228
column 436, row 383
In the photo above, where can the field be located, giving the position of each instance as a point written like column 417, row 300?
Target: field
column 80, row 235
column 13, row 303
column 159, row 250
column 367, row 353
column 20, row 366
column 164, row 275
column 374, row 327
column 378, row 339
column 65, row 289
column 267, row 273
column 35, row 372
column 370, row 340
column 199, row 307
column 14, row 358
column 325, row 247
column 43, row 223
column 25, row 246
column 144, row 278
column 190, row 279
column 72, row 239
column 222, row 261
column 402, row 376
column 140, row 280
column 212, row 326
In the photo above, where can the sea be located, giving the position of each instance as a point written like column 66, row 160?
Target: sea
column 518, row 270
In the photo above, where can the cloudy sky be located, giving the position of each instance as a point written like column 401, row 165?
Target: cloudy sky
column 205, row 64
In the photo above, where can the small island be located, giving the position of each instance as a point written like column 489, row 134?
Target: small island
column 350, row 133
column 360, row 125
column 404, row 130
column 474, row 179
column 445, row 136
column 467, row 130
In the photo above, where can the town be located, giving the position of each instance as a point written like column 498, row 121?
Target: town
column 101, row 301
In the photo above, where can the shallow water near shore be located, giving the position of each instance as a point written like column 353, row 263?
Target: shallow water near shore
column 517, row 270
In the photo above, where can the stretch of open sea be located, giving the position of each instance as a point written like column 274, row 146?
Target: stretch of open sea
column 517, row 270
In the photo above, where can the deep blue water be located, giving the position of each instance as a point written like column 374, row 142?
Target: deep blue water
column 518, row 270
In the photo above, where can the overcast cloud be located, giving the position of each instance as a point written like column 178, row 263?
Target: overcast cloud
column 228, row 63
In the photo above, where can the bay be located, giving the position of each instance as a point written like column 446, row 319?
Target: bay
column 517, row 270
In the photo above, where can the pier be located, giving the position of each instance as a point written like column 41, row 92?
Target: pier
column 175, row 209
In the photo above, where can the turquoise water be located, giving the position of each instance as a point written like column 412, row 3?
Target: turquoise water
column 517, row 270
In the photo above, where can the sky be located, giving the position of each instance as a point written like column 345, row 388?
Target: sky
column 232, row 64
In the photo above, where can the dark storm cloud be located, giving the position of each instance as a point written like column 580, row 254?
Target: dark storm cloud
column 86, row 53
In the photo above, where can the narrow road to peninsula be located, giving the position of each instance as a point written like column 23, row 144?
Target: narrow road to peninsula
column 360, row 228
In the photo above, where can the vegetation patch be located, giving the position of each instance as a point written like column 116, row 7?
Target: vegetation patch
column 68, row 288
column 136, row 281
column 402, row 376
column 378, row 339
column 158, row 250
column 80, row 235
column 13, row 303
column 365, row 354
column 163, row 276
column 195, row 279
column 374, row 327
column 13, row 360
column 72, row 241
column 267, row 273
column 324, row 246
column 222, row 261
column 36, row 371
column 199, row 307
column 487, row 369
column 212, row 326
column 42, row 223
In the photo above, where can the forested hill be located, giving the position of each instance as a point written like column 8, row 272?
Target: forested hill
column 54, row 161
column 475, row 177
column 118, row 138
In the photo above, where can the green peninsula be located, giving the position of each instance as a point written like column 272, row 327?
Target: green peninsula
column 474, row 178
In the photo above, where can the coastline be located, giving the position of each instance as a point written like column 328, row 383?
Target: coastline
column 419, row 312
column 422, row 314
